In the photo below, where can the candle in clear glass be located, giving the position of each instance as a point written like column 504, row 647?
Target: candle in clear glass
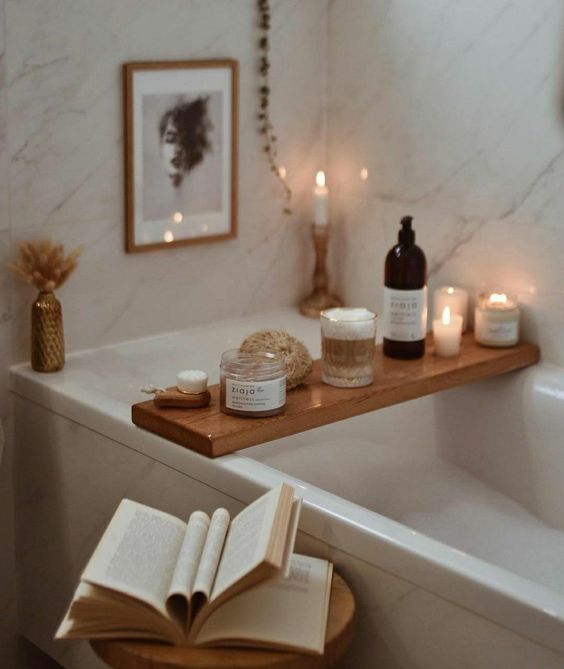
column 455, row 298
column 496, row 319
column 347, row 347
column 447, row 332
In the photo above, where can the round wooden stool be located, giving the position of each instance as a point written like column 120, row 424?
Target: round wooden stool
column 147, row 655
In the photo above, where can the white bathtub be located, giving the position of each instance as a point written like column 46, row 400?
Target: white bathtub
column 446, row 514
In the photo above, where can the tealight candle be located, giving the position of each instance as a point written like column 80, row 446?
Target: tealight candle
column 496, row 320
column 447, row 332
column 455, row 298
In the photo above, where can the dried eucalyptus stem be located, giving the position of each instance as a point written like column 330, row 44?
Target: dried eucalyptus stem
column 266, row 128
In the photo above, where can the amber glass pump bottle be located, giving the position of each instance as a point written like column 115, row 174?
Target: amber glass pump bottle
column 405, row 297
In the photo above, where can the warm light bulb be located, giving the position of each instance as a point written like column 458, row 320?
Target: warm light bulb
column 168, row 236
column 446, row 316
column 177, row 217
column 450, row 290
column 320, row 179
column 498, row 298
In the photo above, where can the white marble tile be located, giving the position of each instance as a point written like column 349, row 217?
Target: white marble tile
column 65, row 90
column 171, row 290
column 454, row 109
column 454, row 105
column 471, row 252
column 66, row 165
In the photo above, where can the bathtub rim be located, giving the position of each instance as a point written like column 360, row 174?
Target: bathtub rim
column 518, row 604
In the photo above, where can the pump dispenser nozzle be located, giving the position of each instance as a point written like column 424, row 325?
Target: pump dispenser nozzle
column 407, row 234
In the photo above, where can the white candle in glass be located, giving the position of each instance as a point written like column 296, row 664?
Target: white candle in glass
column 496, row 319
column 455, row 298
column 447, row 332
column 321, row 195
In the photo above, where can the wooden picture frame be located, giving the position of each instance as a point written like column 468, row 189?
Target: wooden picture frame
column 180, row 143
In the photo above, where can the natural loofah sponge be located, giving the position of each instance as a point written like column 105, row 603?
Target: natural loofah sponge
column 297, row 357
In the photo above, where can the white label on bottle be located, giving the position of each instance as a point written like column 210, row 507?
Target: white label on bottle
column 499, row 332
column 405, row 314
column 255, row 395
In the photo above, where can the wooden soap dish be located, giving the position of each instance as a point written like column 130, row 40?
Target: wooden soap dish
column 172, row 397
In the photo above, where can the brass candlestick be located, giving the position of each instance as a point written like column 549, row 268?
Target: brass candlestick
column 321, row 298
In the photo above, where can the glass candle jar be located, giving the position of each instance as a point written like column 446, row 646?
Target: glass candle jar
column 252, row 384
column 456, row 299
column 496, row 320
column 347, row 347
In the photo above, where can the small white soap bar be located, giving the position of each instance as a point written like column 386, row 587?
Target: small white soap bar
column 192, row 381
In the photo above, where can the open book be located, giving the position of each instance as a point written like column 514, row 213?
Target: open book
column 213, row 581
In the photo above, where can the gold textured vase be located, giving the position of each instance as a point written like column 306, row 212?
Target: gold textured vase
column 47, row 339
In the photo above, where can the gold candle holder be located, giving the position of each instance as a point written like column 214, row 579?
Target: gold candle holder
column 320, row 299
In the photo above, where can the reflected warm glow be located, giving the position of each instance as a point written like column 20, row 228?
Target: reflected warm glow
column 282, row 172
column 205, row 227
column 364, row 173
column 320, row 179
column 168, row 236
column 450, row 290
column 177, row 217
column 446, row 316
column 498, row 298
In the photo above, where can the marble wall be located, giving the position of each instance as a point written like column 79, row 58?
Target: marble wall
column 61, row 173
column 455, row 110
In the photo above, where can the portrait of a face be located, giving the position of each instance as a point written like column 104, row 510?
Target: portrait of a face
column 181, row 162
column 184, row 137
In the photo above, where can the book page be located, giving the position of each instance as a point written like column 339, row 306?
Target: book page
column 247, row 541
column 288, row 613
column 186, row 568
column 291, row 538
column 138, row 553
column 211, row 554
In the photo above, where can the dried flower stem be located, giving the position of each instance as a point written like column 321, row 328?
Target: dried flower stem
column 44, row 265
column 266, row 128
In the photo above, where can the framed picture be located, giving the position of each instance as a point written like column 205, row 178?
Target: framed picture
column 180, row 152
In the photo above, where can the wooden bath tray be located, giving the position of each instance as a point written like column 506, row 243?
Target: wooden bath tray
column 212, row 433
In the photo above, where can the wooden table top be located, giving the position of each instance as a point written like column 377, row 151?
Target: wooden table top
column 150, row 655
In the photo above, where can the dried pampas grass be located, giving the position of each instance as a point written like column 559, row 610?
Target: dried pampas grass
column 44, row 265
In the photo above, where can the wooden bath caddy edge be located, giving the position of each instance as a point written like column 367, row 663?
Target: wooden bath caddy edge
column 212, row 433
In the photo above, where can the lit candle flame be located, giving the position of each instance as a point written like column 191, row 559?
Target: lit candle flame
column 450, row 290
column 177, row 217
column 446, row 316
column 320, row 179
column 364, row 173
column 282, row 172
column 498, row 298
column 168, row 236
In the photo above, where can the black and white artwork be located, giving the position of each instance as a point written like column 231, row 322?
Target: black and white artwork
column 181, row 153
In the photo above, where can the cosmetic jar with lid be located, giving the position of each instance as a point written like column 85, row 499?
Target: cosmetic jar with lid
column 252, row 384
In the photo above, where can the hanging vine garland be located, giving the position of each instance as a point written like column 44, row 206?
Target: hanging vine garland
column 266, row 128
